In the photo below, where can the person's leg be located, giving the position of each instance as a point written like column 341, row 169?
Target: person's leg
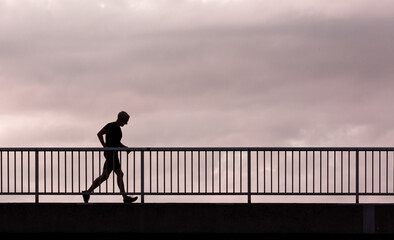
column 126, row 199
column 107, row 169
column 119, row 179
column 103, row 177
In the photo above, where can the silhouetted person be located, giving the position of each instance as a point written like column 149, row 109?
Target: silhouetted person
column 113, row 135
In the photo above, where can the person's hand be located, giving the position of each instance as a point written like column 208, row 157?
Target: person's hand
column 105, row 152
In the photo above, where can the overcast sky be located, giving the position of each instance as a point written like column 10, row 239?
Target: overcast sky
column 197, row 72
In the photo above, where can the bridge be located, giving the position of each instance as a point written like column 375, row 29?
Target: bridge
column 211, row 189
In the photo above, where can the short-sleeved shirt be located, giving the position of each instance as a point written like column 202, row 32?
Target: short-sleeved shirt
column 113, row 134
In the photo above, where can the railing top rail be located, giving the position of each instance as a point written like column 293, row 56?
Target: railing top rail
column 198, row 149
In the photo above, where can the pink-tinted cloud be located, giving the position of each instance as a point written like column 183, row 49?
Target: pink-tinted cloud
column 197, row 73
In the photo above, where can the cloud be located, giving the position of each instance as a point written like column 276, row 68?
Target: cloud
column 201, row 73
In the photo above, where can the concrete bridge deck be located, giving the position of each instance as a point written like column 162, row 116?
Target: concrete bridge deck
column 198, row 218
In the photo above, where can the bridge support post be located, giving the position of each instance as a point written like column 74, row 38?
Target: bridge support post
column 249, row 178
column 142, row 176
column 357, row 176
column 37, row 177
column 368, row 218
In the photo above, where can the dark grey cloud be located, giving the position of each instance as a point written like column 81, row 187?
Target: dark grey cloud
column 219, row 73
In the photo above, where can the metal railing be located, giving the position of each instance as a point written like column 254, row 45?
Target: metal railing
column 208, row 171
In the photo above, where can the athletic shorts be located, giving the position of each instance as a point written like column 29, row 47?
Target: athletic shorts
column 112, row 161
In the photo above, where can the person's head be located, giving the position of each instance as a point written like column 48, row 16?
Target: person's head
column 123, row 118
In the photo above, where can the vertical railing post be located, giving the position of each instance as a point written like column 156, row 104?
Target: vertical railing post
column 357, row 175
column 249, row 178
column 36, row 178
column 142, row 176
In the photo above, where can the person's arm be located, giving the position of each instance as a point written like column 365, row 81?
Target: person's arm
column 101, row 138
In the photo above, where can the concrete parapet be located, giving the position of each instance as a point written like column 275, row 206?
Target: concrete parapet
column 197, row 218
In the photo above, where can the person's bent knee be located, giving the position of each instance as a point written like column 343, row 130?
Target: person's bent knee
column 119, row 173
